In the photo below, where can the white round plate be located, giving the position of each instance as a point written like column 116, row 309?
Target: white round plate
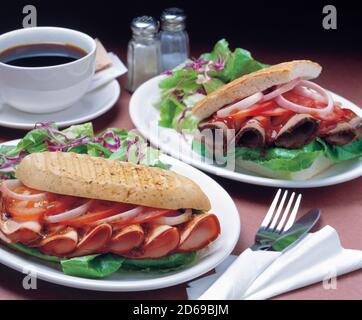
column 90, row 106
column 145, row 117
column 221, row 204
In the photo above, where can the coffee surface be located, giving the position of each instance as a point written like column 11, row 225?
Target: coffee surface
column 41, row 55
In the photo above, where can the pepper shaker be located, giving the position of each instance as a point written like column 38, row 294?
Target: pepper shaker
column 174, row 38
column 144, row 52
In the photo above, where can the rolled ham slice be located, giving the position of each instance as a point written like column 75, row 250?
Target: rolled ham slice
column 94, row 240
column 342, row 134
column 251, row 135
column 199, row 232
column 160, row 241
column 297, row 132
column 356, row 123
column 213, row 135
column 24, row 231
column 126, row 239
column 60, row 244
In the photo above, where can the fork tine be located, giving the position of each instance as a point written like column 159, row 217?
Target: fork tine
column 279, row 210
column 270, row 212
column 285, row 214
column 293, row 214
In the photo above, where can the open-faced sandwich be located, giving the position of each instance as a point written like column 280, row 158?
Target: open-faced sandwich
column 284, row 125
column 95, row 215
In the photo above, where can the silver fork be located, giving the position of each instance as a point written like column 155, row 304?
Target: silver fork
column 276, row 222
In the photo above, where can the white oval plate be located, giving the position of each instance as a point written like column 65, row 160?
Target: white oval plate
column 145, row 117
column 222, row 205
column 90, row 106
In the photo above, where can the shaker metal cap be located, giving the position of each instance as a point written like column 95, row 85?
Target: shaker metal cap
column 144, row 25
column 173, row 16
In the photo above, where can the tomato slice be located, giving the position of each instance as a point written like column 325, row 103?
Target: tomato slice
column 25, row 210
column 61, row 204
column 100, row 210
column 255, row 110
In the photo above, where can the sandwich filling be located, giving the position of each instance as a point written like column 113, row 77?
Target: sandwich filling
column 289, row 116
column 69, row 226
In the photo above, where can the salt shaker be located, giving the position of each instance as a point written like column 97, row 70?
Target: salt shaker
column 144, row 52
column 174, row 38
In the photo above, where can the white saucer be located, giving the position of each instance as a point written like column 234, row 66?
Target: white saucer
column 91, row 106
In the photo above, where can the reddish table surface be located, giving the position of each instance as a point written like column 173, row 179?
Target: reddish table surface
column 341, row 204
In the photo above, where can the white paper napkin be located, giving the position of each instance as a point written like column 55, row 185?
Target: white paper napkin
column 264, row 274
column 104, row 76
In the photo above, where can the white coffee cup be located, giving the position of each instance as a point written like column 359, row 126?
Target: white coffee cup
column 46, row 89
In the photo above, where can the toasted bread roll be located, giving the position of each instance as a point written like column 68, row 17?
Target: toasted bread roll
column 98, row 178
column 255, row 82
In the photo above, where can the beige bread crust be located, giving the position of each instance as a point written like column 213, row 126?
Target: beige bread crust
column 254, row 82
column 98, row 178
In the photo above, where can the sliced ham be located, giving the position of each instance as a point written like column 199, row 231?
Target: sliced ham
column 160, row 241
column 94, row 240
column 342, row 134
column 24, row 231
column 199, row 232
column 297, row 132
column 252, row 134
column 60, row 244
column 126, row 239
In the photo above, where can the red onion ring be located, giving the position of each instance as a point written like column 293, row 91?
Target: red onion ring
column 284, row 103
column 280, row 90
column 305, row 92
column 175, row 220
column 123, row 215
column 66, row 215
column 240, row 105
column 6, row 191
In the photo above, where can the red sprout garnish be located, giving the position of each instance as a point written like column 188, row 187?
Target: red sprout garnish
column 167, row 72
column 111, row 145
column 181, row 117
column 201, row 91
column 9, row 162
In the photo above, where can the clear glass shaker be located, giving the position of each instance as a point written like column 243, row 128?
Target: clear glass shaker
column 144, row 52
column 174, row 38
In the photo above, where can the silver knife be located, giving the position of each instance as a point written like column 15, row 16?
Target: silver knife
column 295, row 233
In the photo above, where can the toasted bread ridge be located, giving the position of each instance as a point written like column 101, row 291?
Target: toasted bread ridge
column 255, row 82
column 98, row 178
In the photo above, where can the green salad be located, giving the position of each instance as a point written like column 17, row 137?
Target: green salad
column 113, row 143
column 184, row 86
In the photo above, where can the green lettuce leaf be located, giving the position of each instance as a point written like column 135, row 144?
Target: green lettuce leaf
column 92, row 266
column 183, row 83
column 161, row 265
column 342, row 153
column 292, row 160
column 237, row 63
column 103, row 265
column 75, row 131
column 33, row 252
column 170, row 108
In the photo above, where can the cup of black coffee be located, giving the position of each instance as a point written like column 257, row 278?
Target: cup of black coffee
column 45, row 69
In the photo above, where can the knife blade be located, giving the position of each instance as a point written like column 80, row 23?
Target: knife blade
column 298, row 230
